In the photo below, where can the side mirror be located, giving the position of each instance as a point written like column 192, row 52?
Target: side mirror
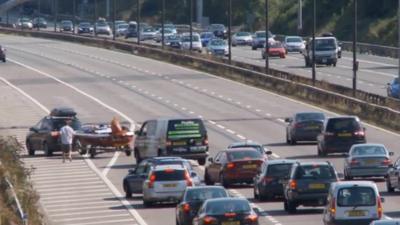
column 137, row 133
column 288, row 120
column 388, row 84
column 193, row 174
column 391, row 153
column 268, row 152
column 211, row 160
column 33, row 129
column 132, row 171
column 382, row 200
column 340, row 43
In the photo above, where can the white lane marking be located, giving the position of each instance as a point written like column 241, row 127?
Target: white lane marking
column 79, row 209
column 115, row 191
column 280, row 120
column 58, row 186
column 81, row 196
column 212, row 122
column 111, row 163
column 58, row 193
column 103, row 222
column 220, row 126
column 230, row 131
column 73, row 205
column 79, row 213
column 90, row 218
column 268, row 114
column 240, row 136
column 275, row 155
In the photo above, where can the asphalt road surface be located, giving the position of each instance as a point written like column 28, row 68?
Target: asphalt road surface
column 42, row 74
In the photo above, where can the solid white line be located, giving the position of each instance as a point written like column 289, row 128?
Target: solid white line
column 111, row 163
column 220, row 126
column 69, row 188
column 59, row 175
column 66, row 201
column 65, row 178
column 73, row 205
column 230, row 131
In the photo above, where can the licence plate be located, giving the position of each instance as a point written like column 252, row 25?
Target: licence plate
column 169, row 185
column 312, row 127
column 344, row 135
column 249, row 166
column 356, row 213
column 231, row 223
column 317, row 186
column 370, row 161
column 175, row 143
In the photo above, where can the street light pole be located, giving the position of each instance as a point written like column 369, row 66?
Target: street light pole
column 191, row 23
column 266, row 53
column 95, row 18
column 163, row 23
column 398, row 30
column 114, row 18
column 138, row 21
column 38, row 16
column 74, row 15
column 355, row 63
column 313, row 42
column 230, row 30
column 55, row 14
column 300, row 18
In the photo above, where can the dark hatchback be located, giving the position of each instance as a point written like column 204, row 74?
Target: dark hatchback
column 45, row 134
column 339, row 134
column 192, row 200
column 308, row 185
column 85, row 28
column 304, row 126
column 235, row 211
column 269, row 183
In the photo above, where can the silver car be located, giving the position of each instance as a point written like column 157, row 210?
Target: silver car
column 242, row 38
column 196, row 42
column 367, row 160
column 120, row 29
column 102, row 27
column 218, row 47
column 148, row 33
column 294, row 44
column 166, row 183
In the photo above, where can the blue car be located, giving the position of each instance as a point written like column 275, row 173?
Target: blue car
column 393, row 88
column 206, row 37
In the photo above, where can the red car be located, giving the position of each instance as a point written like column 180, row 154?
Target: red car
column 275, row 49
column 239, row 165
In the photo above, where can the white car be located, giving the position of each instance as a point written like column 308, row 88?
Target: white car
column 24, row 23
column 294, row 44
column 167, row 32
column 166, row 183
column 196, row 42
column 121, row 29
column 148, row 33
column 353, row 202
column 242, row 38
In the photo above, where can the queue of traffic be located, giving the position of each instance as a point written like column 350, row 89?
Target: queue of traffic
column 164, row 173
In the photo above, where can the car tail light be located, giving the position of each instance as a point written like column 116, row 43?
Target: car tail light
column 186, row 207
column 386, row 162
column 168, row 143
column 252, row 218
column 205, row 140
column 359, row 133
column 152, row 180
column 55, row 133
column 232, row 214
column 298, row 125
column 354, row 162
column 293, row 184
column 230, row 165
column 188, row 179
column 209, row 220
column 332, row 208
column 267, row 180
column 379, row 208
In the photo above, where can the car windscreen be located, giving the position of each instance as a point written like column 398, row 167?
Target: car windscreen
column 66, row 23
column 368, row 150
column 294, row 40
column 202, row 194
column 279, row 170
column 243, row 34
column 244, row 155
column 226, row 206
column 123, row 26
column 58, row 123
column 325, row 44
column 314, row 172
column 259, row 148
column 186, row 128
column 260, row 35
column 85, row 25
column 169, row 175
column 309, row 116
column 342, row 124
column 217, row 42
column 149, row 30
column 207, row 35
column 275, row 45
column 356, row 196
column 187, row 38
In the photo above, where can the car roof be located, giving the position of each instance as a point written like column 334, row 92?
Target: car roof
column 368, row 144
column 225, row 199
column 205, row 187
column 293, row 37
column 360, row 183
column 165, row 167
column 240, row 149
column 245, row 143
column 313, row 163
column 324, row 38
column 387, row 222
column 281, row 161
column 344, row 117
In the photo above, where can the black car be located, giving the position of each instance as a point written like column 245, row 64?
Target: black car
column 339, row 134
column 219, row 30
column 45, row 134
column 268, row 184
column 132, row 30
column 304, row 126
column 393, row 177
column 66, row 26
column 133, row 181
column 3, row 54
column 226, row 211
column 192, row 200
column 39, row 22
column 85, row 28
column 308, row 185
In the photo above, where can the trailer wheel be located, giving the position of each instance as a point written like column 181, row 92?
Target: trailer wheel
column 92, row 152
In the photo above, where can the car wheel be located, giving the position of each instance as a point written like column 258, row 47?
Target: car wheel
column 255, row 192
column 207, row 179
column 4, row 60
column 128, row 192
column 29, row 147
column 291, row 207
column 92, row 152
column 47, row 150
column 389, row 187
column 137, row 156
column 253, row 48
column 202, row 161
column 222, row 181
column 147, row 203
column 292, row 141
column 334, row 64
column 287, row 138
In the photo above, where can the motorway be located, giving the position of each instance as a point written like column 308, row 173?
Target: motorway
column 43, row 74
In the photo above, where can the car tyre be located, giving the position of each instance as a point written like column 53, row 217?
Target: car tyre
column 47, row 150
column 202, row 161
column 290, row 207
column 137, row 156
column 334, row 64
column 292, row 141
column 287, row 138
column 147, row 204
column 222, row 181
column 207, row 179
column 389, row 187
column 4, row 60
column 253, row 48
column 128, row 192
column 92, row 152
column 31, row 150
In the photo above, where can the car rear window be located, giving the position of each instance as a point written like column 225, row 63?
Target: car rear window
column 245, row 154
column 356, row 196
column 204, row 194
column 58, row 123
column 369, row 150
column 169, row 175
column 178, row 129
column 309, row 116
column 343, row 124
column 226, row 206
column 314, row 172
column 256, row 147
column 279, row 170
